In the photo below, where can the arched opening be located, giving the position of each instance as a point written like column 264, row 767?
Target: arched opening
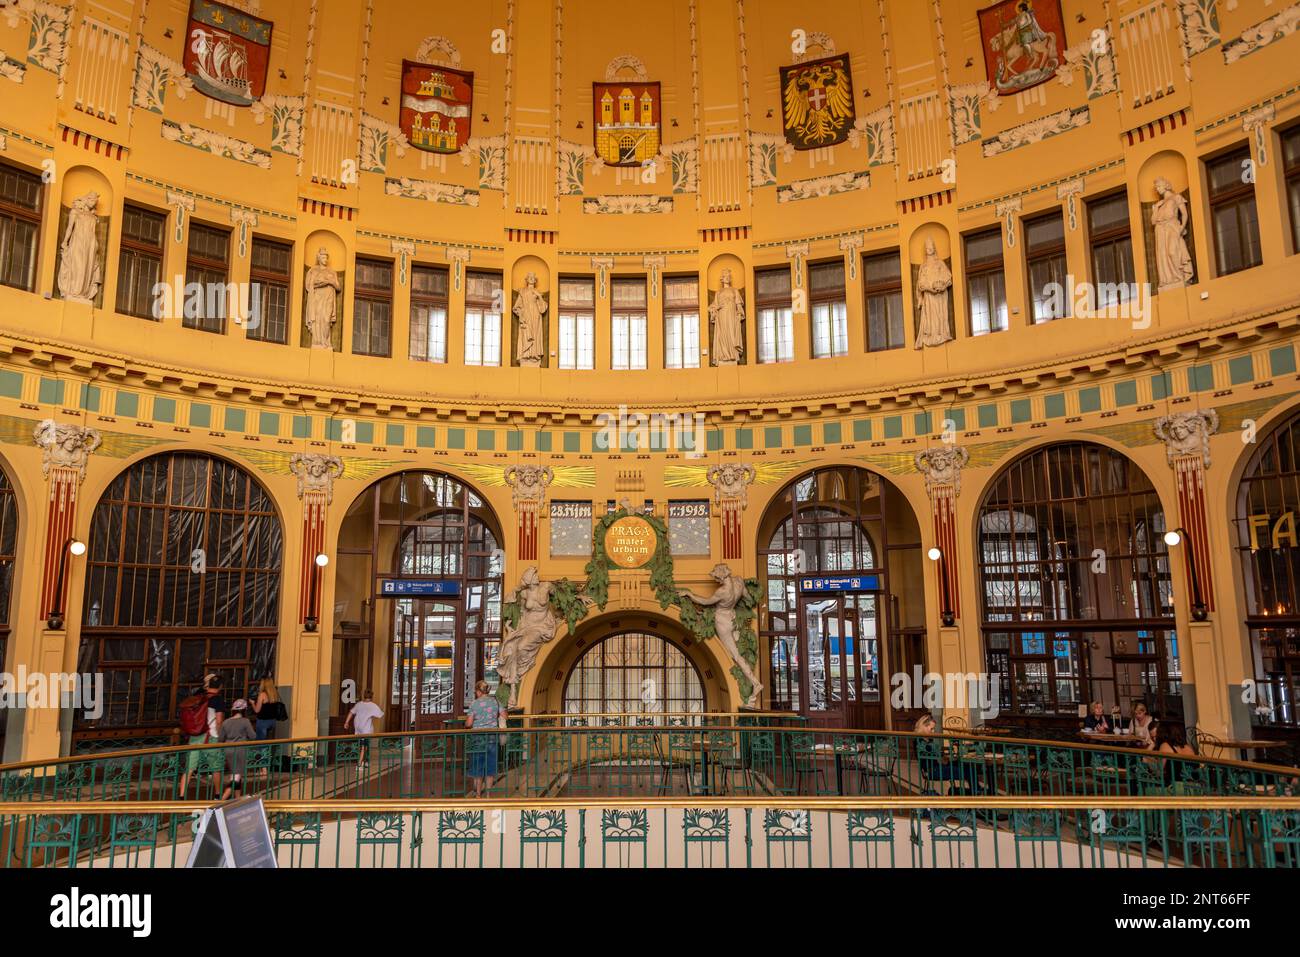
column 8, row 556
column 417, row 598
column 633, row 672
column 183, row 579
column 840, row 554
column 1268, row 497
column 1075, row 588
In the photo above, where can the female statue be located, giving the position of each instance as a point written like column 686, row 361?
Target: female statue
column 1169, row 217
column 530, row 307
column 727, row 312
column 322, row 284
column 932, row 284
column 79, row 271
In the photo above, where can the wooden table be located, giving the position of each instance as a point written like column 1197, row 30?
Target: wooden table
column 1245, row 746
column 1124, row 740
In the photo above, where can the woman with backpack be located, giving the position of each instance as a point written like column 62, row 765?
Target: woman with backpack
column 267, row 709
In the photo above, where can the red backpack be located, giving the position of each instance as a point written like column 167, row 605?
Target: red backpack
column 194, row 715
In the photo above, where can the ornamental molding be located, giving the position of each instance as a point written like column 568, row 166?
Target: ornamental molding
column 626, row 62
column 218, row 144
column 823, row 186
column 450, row 193
column 1036, row 131
column 1262, row 34
column 65, row 446
column 1187, row 435
column 316, row 473
column 438, row 51
column 942, row 467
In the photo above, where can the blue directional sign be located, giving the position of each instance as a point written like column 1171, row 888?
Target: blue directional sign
column 848, row 583
column 394, row 587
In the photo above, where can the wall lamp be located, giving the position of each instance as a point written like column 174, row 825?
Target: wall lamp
column 55, row 621
column 312, row 621
column 1173, row 538
column 945, row 614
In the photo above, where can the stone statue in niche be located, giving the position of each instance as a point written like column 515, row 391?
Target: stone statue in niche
column 521, row 643
column 80, row 275
column 1169, row 216
column 933, row 283
column 322, row 286
column 530, row 308
column 731, row 590
column 727, row 313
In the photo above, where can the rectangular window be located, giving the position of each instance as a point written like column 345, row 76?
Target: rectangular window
column 571, row 529
column 1045, row 266
column 830, row 311
column 140, row 261
column 1111, row 249
column 986, row 282
column 20, row 226
column 372, row 316
column 883, row 282
column 207, row 262
column 1233, row 217
column 483, row 303
column 429, row 292
column 775, row 314
column 627, row 324
column 269, row 275
column 577, row 324
column 681, row 322
column 1291, row 169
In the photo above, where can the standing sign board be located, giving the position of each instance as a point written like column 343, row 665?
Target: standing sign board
column 234, row 834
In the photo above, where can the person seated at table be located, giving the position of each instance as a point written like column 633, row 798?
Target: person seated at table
column 1142, row 725
column 944, row 769
column 1096, row 721
column 1170, row 738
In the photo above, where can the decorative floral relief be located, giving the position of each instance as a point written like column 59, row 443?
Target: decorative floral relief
column 1036, row 130
column 286, row 114
column 375, row 138
column 876, row 131
column 762, row 158
column 153, row 71
column 1099, row 75
column 965, row 103
column 47, row 46
column 491, row 153
column 573, row 158
column 1262, row 34
column 12, row 69
column 685, row 159
column 216, row 143
column 628, row 204
column 430, row 191
column 1200, row 25
column 823, row 186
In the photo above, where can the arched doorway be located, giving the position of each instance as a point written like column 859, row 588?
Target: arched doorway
column 633, row 672
column 840, row 554
column 1075, row 588
column 8, row 556
column 418, row 598
column 183, row 579
column 1268, row 498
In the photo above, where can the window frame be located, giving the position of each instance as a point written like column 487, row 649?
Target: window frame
column 579, row 315
column 876, row 290
column 262, row 277
column 138, row 249
column 829, row 298
column 686, row 317
column 1291, row 182
column 431, row 301
column 372, row 295
column 1110, row 238
column 783, row 306
column 192, row 262
column 33, row 217
column 983, row 271
column 1055, row 251
column 1239, row 196
column 629, row 315
column 483, row 308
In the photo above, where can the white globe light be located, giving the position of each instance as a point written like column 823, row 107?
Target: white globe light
column 322, row 559
column 1172, row 538
column 934, row 553
column 77, row 548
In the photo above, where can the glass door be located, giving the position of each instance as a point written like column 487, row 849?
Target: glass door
column 425, row 664
column 844, row 673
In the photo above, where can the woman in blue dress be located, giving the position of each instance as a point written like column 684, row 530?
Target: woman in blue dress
column 485, row 712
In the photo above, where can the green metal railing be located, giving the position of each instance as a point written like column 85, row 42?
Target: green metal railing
column 1014, row 832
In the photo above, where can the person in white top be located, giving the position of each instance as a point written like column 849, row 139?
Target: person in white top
column 362, row 717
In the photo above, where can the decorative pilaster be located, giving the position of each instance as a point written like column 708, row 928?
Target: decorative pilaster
column 528, row 493
column 851, row 246
column 244, row 219
column 316, row 474
column 1187, row 447
column 942, row 470
column 183, row 203
column 731, row 495
column 797, row 252
column 1258, row 122
column 404, row 250
column 459, row 255
column 655, row 265
column 65, row 449
column 1007, row 213
column 1070, row 193
column 602, row 265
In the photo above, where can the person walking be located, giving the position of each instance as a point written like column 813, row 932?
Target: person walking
column 484, row 713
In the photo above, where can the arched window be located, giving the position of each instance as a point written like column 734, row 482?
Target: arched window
column 183, row 579
column 828, row 544
column 8, row 554
column 1268, row 500
column 633, row 673
column 418, row 596
column 1075, row 586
